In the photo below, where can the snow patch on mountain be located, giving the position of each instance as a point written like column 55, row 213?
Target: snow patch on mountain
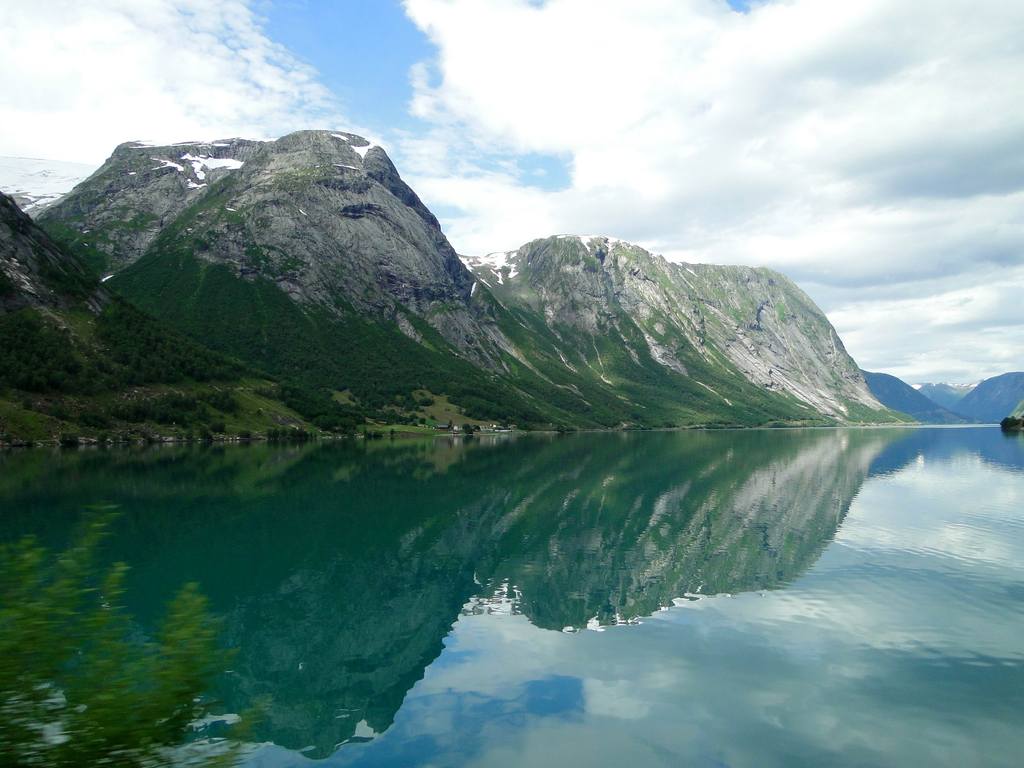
column 202, row 163
column 498, row 263
column 168, row 164
column 361, row 151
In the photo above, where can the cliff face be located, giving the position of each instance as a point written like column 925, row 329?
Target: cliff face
column 34, row 272
column 116, row 213
column 696, row 321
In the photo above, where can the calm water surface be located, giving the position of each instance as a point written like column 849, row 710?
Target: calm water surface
column 762, row 598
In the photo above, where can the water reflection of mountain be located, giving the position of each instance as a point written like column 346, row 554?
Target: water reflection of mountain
column 341, row 568
column 619, row 533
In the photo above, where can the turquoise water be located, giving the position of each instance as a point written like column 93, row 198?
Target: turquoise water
column 751, row 598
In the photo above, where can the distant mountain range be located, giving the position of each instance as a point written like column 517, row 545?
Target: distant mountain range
column 309, row 260
column 946, row 395
column 900, row 396
column 993, row 399
column 987, row 402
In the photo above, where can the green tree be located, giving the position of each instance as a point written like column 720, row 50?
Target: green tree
column 76, row 686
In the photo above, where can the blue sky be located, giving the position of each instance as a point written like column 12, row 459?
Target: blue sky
column 363, row 50
column 869, row 151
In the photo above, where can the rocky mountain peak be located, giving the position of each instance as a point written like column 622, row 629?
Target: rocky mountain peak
column 322, row 215
column 315, row 148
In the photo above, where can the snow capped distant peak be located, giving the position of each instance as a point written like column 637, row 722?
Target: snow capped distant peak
column 35, row 184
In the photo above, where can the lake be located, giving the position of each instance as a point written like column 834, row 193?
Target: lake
column 847, row 597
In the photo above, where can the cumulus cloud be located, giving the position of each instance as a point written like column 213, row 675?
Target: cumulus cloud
column 77, row 77
column 866, row 149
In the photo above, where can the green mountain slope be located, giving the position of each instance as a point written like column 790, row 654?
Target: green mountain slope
column 896, row 394
column 255, row 320
column 76, row 361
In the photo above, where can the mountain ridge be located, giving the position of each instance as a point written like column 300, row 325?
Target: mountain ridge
column 993, row 398
column 678, row 305
column 309, row 256
column 900, row 396
column 945, row 395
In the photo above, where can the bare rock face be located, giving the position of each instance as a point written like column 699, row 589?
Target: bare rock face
column 743, row 321
column 33, row 271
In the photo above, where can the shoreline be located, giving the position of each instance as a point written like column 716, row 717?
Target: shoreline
column 81, row 443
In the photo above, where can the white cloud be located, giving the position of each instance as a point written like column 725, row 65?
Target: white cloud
column 78, row 77
column 959, row 328
column 873, row 151
column 863, row 148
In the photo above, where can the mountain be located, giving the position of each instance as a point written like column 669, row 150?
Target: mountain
column 76, row 360
column 309, row 258
column 946, row 395
column 615, row 314
column 896, row 394
column 993, row 398
column 35, row 184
